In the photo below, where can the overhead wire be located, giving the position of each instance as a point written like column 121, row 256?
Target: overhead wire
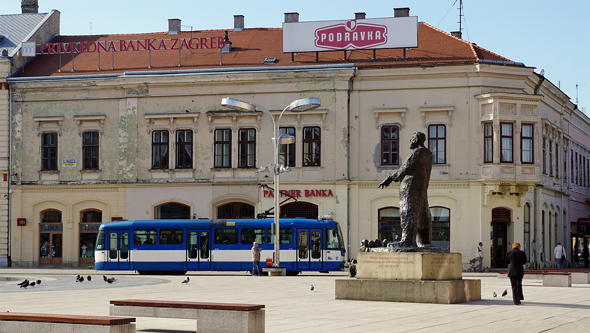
column 446, row 14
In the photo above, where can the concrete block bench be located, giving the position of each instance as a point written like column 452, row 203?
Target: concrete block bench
column 557, row 279
column 528, row 274
column 39, row 322
column 210, row 317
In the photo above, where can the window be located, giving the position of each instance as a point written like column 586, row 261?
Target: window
column 441, row 231
column 564, row 164
column 226, row 236
column 488, row 143
column 549, row 240
column 235, row 210
column 160, row 150
column 90, row 150
column 332, row 242
column 576, row 173
column 527, row 230
column 299, row 209
column 51, row 216
column 550, row 158
column 171, row 236
column 184, row 149
column 311, row 146
column 251, row 235
column 390, row 145
column 172, row 211
column 543, row 232
column 437, row 137
column 222, row 148
column 526, row 144
column 247, row 148
column 389, row 224
column 544, row 156
column 49, row 151
column 572, row 166
column 91, row 216
column 145, row 236
column 287, row 152
column 506, row 142
column 556, row 160
column 286, row 236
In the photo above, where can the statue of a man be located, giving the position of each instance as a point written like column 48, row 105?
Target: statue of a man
column 414, row 175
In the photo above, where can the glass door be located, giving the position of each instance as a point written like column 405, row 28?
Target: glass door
column 198, row 254
column 309, row 249
column 118, row 249
column 50, row 245
column 499, row 245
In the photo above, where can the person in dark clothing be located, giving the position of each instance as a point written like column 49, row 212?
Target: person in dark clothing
column 516, row 259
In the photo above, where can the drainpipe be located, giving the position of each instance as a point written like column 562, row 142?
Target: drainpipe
column 9, row 194
column 350, row 87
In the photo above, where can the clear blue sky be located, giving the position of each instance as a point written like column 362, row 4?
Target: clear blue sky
column 549, row 35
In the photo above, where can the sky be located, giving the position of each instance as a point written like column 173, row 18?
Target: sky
column 548, row 35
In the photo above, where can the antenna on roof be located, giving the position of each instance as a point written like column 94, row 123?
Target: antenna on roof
column 460, row 16
column 576, row 93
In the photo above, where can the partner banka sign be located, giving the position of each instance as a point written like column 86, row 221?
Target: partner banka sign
column 383, row 33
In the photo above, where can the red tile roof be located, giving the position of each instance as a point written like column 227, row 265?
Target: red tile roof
column 250, row 47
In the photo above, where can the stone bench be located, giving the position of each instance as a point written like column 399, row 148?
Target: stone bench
column 557, row 279
column 578, row 276
column 528, row 274
column 39, row 322
column 210, row 317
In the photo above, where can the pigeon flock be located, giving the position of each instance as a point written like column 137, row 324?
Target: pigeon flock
column 79, row 279
column 26, row 283
column 503, row 294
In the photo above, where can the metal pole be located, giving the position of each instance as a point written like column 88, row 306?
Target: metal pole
column 277, row 192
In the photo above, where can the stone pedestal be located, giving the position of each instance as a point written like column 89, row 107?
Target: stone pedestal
column 416, row 277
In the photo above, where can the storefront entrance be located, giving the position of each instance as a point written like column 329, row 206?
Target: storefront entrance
column 51, row 244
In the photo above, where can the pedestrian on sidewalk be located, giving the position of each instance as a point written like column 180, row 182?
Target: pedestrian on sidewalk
column 559, row 253
column 516, row 260
column 256, row 259
column 479, row 257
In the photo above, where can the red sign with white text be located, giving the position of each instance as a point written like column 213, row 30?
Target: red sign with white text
column 351, row 35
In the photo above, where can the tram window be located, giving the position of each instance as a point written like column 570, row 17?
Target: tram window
column 113, row 245
column 100, row 240
column 171, row 236
column 193, row 245
column 226, row 236
column 332, row 239
column 251, row 235
column 316, row 244
column 145, row 236
column 286, row 236
column 303, row 245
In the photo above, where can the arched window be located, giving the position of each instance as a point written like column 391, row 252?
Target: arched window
column 91, row 215
column 389, row 224
column 235, row 210
column 51, row 216
column 300, row 209
column 172, row 211
column 441, row 227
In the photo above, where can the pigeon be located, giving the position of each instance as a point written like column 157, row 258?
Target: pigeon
column 505, row 293
column 20, row 284
column 32, row 284
column 105, row 278
column 311, row 288
column 78, row 278
column 187, row 280
column 25, row 285
column 88, row 278
column 38, row 282
column 494, row 294
column 110, row 280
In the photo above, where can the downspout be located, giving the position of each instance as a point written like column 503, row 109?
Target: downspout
column 348, row 212
column 9, row 194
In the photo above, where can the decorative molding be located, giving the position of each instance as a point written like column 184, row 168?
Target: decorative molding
column 448, row 109
column 172, row 117
column 298, row 115
column 379, row 111
column 211, row 115
column 81, row 118
column 506, row 97
column 39, row 120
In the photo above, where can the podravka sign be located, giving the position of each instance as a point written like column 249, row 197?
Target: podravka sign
column 350, row 34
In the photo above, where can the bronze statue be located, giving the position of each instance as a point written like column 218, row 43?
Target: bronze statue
column 413, row 176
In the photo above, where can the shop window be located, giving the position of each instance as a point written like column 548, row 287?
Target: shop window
column 184, row 149
column 311, row 146
column 286, row 236
column 488, row 142
column 160, row 150
column 171, row 236
column 49, row 151
column 222, row 148
column 145, row 236
column 299, row 209
column 90, row 149
column 235, row 210
column 441, row 227
column 437, row 139
column 172, row 211
column 506, row 142
column 226, row 236
column 247, row 148
column 287, row 152
column 526, row 144
column 390, row 145
column 389, row 224
column 251, row 235
column 89, row 223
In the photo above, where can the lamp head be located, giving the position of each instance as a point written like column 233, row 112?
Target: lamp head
column 286, row 139
column 237, row 105
column 304, row 104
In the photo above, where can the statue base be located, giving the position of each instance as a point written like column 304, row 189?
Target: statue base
column 417, row 277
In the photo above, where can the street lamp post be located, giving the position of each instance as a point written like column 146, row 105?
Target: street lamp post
column 299, row 105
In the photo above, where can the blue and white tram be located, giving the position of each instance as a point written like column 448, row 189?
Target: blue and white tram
column 178, row 246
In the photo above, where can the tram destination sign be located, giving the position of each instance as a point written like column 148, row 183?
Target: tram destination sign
column 379, row 33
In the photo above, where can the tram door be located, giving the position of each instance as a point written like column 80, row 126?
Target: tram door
column 309, row 249
column 198, row 254
column 118, row 246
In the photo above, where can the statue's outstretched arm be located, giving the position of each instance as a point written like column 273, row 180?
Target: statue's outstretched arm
column 385, row 183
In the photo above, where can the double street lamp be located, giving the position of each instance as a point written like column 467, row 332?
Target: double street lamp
column 299, row 105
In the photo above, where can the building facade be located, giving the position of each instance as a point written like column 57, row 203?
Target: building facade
column 139, row 133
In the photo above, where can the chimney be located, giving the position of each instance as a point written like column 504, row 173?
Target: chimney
column 291, row 17
column 359, row 16
column 173, row 26
column 401, row 12
column 238, row 22
column 456, row 34
column 29, row 6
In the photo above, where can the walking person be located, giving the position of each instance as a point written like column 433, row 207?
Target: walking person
column 479, row 257
column 516, row 260
column 559, row 253
column 256, row 259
